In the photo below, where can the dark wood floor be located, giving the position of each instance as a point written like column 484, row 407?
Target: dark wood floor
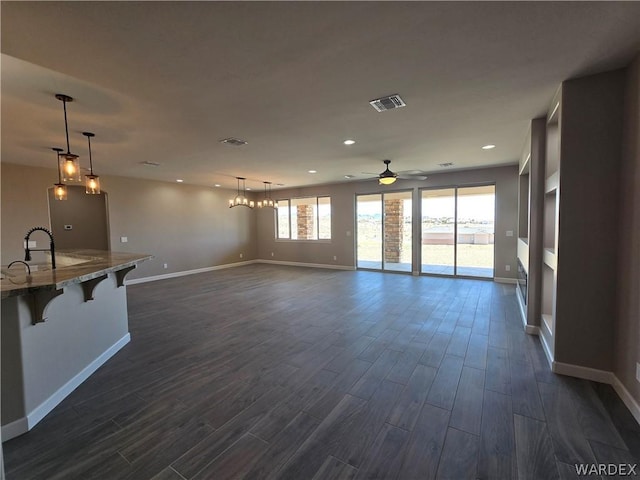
column 269, row 372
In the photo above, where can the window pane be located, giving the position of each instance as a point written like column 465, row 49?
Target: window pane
column 324, row 218
column 304, row 219
column 438, row 220
column 369, row 233
column 476, row 210
column 283, row 219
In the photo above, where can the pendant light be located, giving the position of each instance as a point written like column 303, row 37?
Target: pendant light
column 267, row 201
column 59, row 189
column 92, row 182
column 69, row 163
column 241, row 198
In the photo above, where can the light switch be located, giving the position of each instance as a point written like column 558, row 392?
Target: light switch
column 509, row 233
column 124, row 239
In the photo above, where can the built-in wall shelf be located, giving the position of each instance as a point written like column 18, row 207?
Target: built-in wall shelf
column 523, row 253
column 549, row 258
column 552, row 182
column 530, row 211
column 547, row 323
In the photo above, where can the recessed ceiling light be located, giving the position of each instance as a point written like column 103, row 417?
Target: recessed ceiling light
column 349, row 176
column 349, row 142
column 248, row 188
column 488, row 147
column 313, row 171
column 179, row 180
column 217, row 185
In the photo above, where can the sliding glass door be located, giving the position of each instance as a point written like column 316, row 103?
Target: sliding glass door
column 458, row 231
column 384, row 231
column 438, row 231
column 369, row 231
column 475, row 232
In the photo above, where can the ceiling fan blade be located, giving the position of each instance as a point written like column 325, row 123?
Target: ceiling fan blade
column 405, row 176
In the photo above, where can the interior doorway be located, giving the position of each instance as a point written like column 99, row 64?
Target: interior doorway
column 81, row 222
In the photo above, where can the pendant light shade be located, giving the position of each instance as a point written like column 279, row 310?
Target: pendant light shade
column 59, row 189
column 241, row 198
column 92, row 182
column 69, row 163
column 267, row 201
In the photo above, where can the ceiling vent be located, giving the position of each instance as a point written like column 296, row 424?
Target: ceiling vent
column 448, row 164
column 146, row 163
column 236, row 142
column 387, row 103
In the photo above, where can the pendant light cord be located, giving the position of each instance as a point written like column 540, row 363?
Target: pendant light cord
column 66, row 126
column 90, row 160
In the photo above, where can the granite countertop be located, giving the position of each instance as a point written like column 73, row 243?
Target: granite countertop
column 73, row 266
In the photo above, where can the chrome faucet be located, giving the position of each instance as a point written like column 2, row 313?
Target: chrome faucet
column 27, row 250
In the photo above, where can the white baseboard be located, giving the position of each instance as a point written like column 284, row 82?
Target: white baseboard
column 532, row 330
column 627, row 399
column 546, row 348
column 522, row 308
column 14, row 429
column 312, row 265
column 593, row 374
column 183, row 273
column 512, row 281
column 601, row 376
column 23, row 425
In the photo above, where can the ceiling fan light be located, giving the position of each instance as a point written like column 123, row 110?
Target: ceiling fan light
column 387, row 180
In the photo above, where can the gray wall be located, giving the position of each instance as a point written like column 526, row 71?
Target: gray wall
column 590, row 150
column 342, row 195
column 87, row 215
column 627, row 331
column 185, row 226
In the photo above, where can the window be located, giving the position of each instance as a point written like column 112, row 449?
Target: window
column 306, row 218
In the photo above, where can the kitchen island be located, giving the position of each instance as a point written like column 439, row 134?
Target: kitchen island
column 59, row 326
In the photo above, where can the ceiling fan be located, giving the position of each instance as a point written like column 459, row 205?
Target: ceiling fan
column 388, row 177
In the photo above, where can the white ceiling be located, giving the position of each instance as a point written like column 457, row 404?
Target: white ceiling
column 164, row 82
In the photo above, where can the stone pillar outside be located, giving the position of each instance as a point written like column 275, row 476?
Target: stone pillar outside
column 306, row 221
column 393, row 230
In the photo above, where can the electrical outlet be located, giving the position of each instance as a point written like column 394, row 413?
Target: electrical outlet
column 348, row 233
column 272, row 254
column 164, row 265
column 68, row 227
column 509, row 233
column 507, row 268
column 638, row 371
column 241, row 255
column 335, row 258
column 124, row 239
